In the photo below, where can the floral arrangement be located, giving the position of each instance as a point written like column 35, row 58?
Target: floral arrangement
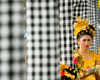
column 67, row 73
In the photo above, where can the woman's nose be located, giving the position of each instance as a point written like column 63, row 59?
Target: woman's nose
column 86, row 42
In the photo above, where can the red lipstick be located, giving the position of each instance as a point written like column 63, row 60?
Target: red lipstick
column 87, row 46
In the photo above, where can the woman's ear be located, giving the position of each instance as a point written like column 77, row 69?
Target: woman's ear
column 78, row 41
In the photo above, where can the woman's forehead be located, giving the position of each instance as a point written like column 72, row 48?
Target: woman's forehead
column 86, row 37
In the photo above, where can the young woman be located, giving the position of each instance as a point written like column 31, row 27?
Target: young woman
column 85, row 58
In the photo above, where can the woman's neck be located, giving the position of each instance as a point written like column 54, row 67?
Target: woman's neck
column 83, row 51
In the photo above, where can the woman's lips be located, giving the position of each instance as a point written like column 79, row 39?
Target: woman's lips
column 86, row 46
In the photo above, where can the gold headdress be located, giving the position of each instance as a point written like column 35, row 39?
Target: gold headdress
column 82, row 26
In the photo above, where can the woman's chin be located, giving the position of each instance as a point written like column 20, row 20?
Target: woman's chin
column 85, row 48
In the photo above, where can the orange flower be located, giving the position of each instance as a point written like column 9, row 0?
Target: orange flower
column 62, row 73
column 87, row 67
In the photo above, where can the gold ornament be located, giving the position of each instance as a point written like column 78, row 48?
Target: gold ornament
column 82, row 25
column 78, row 43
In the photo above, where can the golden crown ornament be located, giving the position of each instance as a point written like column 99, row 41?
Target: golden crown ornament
column 82, row 26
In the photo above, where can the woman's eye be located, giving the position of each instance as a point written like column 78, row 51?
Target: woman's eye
column 84, row 40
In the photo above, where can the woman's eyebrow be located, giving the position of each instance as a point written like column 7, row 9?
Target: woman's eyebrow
column 86, row 39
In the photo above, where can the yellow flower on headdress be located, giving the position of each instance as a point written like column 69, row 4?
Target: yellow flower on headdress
column 82, row 24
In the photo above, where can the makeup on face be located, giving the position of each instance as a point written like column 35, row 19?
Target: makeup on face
column 85, row 41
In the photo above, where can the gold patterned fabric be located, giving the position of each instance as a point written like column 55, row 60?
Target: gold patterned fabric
column 88, row 63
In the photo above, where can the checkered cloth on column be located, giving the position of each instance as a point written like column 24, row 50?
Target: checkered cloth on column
column 11, row 39
column 93, row 19
column 66, row 31
column 41, row 27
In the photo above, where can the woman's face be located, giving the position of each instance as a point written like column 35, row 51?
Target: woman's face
column 85, row 41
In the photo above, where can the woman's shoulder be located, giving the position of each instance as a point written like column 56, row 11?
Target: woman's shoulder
column 92, row 52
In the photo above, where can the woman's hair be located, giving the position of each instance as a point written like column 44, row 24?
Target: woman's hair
column 86, row 32
column 81, row 34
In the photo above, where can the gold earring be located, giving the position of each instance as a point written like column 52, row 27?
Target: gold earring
column 78, row 43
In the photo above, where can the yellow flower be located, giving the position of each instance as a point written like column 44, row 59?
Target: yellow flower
column 70, row 69
column 74, row 71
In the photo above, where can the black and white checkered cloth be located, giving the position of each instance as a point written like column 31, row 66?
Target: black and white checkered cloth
column 93, row 17
column 11, row 39
column 66, row 31
column 42, row 51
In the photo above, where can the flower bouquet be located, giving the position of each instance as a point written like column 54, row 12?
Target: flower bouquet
column 67, row 73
